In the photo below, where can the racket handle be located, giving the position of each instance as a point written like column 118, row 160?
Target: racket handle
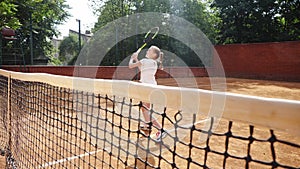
column 143, row 46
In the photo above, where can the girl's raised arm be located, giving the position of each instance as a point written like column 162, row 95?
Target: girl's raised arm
column 134, row 61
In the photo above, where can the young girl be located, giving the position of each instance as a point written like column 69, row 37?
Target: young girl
column 148, row 67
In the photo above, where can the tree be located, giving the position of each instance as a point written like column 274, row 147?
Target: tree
column 193, row 11
column 40, row 16
column 111, row 10
column 68, row 49
column 8, row 11
column 288, row 17
column 245, row 21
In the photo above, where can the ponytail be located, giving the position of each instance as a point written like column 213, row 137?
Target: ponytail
column 161, row 56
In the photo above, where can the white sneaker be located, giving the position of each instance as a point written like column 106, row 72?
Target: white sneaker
column 160, row 135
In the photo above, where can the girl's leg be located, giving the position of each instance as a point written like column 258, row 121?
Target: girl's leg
column 147, row 117
column 160, row 133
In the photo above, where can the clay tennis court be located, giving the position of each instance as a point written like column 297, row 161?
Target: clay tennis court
column 271, row 89
column 263, row 88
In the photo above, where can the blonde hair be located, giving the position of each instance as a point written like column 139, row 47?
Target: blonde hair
column 161, row 67
column 159, row 57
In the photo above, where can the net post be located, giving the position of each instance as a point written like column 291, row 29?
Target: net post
column 9, row 146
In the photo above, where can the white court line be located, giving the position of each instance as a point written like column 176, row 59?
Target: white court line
column 68, row 159
column 189, row 125
column 94, row 152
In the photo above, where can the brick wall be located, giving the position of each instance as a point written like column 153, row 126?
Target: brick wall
column 277, row 61
column 109, row 72
column 274, row 61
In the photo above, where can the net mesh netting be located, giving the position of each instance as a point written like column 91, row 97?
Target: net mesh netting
column 46, row 126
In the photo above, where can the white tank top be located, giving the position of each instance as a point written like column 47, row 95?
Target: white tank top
column 148, row 70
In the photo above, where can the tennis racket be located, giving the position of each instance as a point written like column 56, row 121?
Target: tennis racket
column 147, row 38
column 150, row 35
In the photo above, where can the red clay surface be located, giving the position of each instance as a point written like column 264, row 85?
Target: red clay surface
column 264, row 88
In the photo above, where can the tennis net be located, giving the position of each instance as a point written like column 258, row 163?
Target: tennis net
column 50, row 121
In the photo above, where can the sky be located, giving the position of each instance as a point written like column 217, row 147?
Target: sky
column 79, row 10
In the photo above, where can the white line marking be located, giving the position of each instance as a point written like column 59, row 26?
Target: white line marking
column 94, row 152
column 68, row 159
column 188, row 125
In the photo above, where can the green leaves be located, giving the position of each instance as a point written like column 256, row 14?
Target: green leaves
column 68, row 49
column 40, row 15
column 193, row 11
column 247, row 21
column 8, row 12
